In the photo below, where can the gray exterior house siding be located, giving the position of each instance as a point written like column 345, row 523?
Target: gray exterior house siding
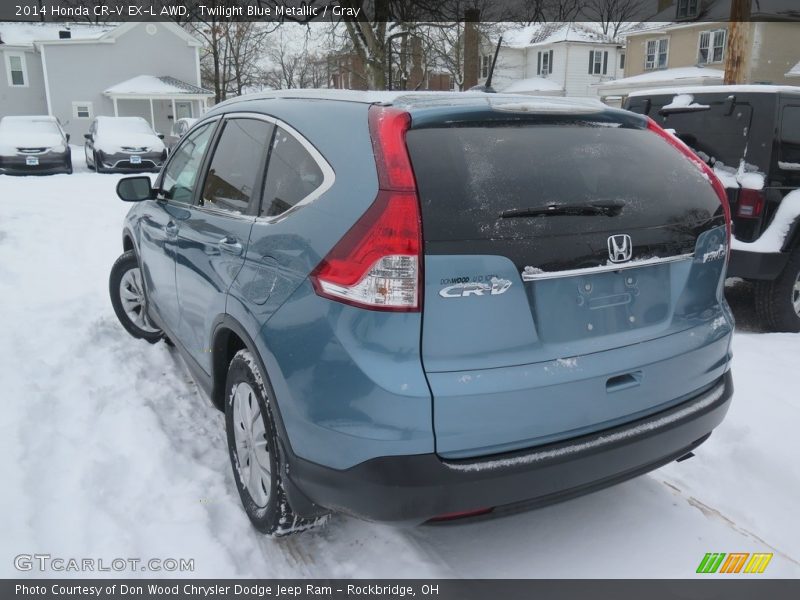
column 22, row 100
column 81, row 72
column 65, row 73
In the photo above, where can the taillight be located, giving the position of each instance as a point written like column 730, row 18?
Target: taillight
column 704, row 168
column 377, row 264
column 750, row 204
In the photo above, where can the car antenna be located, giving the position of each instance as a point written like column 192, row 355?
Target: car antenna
column 488, row 85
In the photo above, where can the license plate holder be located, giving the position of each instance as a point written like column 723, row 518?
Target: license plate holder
column 136, row 160
column 32, row 161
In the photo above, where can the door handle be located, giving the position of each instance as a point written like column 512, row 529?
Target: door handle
column 624, row 382
column 230, row 245
column 171, row 228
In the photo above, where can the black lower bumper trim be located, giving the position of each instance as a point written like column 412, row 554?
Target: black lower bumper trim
column 414, row 489
column 756, row 265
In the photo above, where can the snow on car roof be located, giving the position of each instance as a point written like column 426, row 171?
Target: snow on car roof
column 421, row 99
column 719, row 89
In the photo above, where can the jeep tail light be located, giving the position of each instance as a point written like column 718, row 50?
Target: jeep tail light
column 750, row 204
column 377, row 264
column 704, row 168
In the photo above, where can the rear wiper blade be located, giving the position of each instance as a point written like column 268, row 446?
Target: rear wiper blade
column 608, row 209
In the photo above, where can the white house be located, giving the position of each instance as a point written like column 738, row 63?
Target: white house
column 77, row 71
column 555, row 59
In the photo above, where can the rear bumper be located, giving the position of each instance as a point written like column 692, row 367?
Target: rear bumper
column 756, row 265
column 414, row 489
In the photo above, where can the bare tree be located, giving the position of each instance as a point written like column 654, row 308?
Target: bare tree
column 613, row 14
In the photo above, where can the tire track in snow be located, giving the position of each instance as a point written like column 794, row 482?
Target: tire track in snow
column 713, row 513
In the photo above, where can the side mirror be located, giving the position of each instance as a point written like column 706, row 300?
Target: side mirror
column 88, row 136
column 161, row 136
column 135, row 189
column 67, row 136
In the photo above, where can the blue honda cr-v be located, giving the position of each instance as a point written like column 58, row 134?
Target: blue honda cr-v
column 429, row 306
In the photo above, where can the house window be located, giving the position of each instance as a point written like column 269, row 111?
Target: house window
column 598, row 62
column 622, row 60
column 712, row 46
column 16, row 69
column 486, row 63
column 544, row 63
column 82, row 110
column 657, row 52
column 687, row 9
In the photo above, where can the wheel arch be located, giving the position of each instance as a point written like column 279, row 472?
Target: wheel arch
column 127, row 241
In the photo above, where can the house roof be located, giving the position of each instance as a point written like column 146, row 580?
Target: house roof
column 152, row 86
column 662, row 78
column 25, row 34
column 551, row 33
column 720, row 10
column 533, row 84
column 30, row 34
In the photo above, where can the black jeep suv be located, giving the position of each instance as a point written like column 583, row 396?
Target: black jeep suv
column 750, row 136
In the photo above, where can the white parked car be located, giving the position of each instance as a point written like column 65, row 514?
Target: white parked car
column 33, row 145
column 124, row 144
column 179, row 129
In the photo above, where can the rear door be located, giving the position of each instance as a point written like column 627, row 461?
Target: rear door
column 547, row 239
column 212, row 240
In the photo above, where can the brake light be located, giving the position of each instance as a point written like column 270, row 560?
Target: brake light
column 704, row 168
column 750, row 204
column 377, row 264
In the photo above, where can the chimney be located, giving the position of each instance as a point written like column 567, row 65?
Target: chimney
column 471, row 47
column 64, row 34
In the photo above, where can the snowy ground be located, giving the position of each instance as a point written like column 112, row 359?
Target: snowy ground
column 108, row 450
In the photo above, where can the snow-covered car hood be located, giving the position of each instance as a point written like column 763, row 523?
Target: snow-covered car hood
column 9, row 142
column 111, row 143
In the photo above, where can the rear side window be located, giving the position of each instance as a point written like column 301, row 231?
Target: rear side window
column 292, row 175
column 238, row 158
column 790, row 135
column 468, row 175
column 718, row 134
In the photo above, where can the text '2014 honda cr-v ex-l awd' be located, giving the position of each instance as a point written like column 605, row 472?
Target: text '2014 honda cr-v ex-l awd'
column 426, row 306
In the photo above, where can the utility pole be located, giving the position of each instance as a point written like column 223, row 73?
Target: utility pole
column 471, row 47
column 737, row 51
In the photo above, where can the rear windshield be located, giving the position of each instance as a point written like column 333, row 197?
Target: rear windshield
column 713, row 133
column 468, row 175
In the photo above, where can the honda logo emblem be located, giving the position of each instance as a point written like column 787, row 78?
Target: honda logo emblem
column 620, row 248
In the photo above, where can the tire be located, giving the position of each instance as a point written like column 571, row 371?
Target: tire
column 778, row 301
column 129, row 299
column 69, row 166
column 255, row 451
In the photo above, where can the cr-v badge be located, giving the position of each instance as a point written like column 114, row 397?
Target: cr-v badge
column 461, row 290
column 620, row 248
